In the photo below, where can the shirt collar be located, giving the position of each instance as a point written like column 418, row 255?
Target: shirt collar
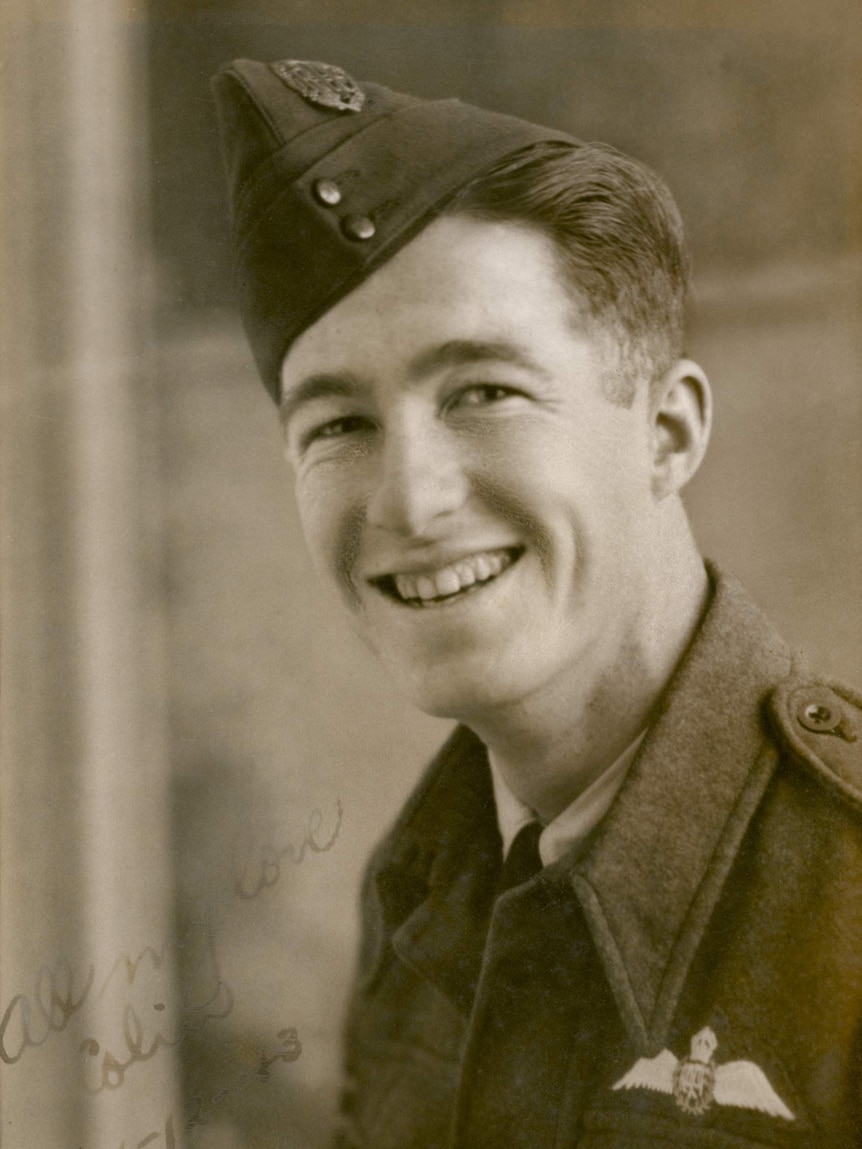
column 571, row 828
column 658, row 862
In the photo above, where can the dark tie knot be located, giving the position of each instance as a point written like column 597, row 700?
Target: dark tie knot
column 522, row 861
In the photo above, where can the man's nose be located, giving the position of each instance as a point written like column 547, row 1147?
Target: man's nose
column 419, row 480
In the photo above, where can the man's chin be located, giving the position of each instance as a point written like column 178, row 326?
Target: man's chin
column 444, row 692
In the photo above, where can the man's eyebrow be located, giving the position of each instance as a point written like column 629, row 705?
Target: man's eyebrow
column 452, row 353
column 457, row 352
column 312, row 387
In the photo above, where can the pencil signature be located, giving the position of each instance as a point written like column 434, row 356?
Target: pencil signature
column 29, row 1022
column 150, row 1138
column 60, row 994
column 30, row 1019
column 263, row 869
column 206, row 997
column 289, row 1048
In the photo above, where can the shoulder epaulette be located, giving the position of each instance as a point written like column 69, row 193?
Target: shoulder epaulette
column 822, row 723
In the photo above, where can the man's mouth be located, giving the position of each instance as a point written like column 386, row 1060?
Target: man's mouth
column 446, row 583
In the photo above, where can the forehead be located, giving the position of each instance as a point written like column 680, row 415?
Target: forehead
column 459, row 279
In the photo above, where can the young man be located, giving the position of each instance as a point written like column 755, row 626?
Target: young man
column 623, row 908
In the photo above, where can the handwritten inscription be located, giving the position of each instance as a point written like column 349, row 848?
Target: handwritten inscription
column 260, row 869
column 288, row 1049
column 206, row 997
column 122, row 1016
column 170, row 1138
column 29, row 1021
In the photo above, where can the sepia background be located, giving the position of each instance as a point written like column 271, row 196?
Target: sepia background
column 196, row 756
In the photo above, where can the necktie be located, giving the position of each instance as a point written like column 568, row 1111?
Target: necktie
column 522, row 860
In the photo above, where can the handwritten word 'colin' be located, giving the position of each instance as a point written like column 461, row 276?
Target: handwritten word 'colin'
column 30, row 1019
column 264, row 869
column 206, row 997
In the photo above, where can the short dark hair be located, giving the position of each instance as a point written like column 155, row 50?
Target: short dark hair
column 620, row 238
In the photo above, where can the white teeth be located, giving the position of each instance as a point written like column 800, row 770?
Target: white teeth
column 425, row 587
column 447, row 582
column 406, row 586
column 465, row 573
column 450, row 580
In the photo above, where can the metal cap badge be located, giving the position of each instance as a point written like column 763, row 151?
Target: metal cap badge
column 328, row 178
column 323, row 84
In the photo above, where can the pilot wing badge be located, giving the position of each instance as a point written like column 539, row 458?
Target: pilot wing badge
column 696, row 1082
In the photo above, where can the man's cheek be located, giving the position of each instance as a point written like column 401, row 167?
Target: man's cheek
column 333, row 534
column 318, row 531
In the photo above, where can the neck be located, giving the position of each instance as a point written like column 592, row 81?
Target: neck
column 551, row 746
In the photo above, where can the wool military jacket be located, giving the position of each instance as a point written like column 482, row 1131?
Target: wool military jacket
column 693, row 979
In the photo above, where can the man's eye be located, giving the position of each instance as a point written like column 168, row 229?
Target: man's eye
column 335, row 428
column 482, row 394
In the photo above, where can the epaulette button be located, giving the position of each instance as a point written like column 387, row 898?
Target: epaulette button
column 818, row 712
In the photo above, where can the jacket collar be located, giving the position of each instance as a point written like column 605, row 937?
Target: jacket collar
column 436, row 885
column 658, row 862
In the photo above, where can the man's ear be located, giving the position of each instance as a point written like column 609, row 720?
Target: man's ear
column 681, row 420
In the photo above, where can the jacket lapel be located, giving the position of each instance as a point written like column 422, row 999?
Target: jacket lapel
column 437, row 889
column 658, row 862
column 660, row 859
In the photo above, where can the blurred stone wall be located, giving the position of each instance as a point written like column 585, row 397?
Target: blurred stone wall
column 283, row 730
column 87, row 996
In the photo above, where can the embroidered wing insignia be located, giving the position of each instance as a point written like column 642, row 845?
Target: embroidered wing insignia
column 654, row 1073
column 743, row 1084
column 696, row 1082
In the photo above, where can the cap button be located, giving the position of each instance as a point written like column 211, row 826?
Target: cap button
column 327, row 192
column 358, row 227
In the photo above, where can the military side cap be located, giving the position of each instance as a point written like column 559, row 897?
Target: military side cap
column 328, row 178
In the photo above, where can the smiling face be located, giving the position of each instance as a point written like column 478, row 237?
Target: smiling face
column 486, row 512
